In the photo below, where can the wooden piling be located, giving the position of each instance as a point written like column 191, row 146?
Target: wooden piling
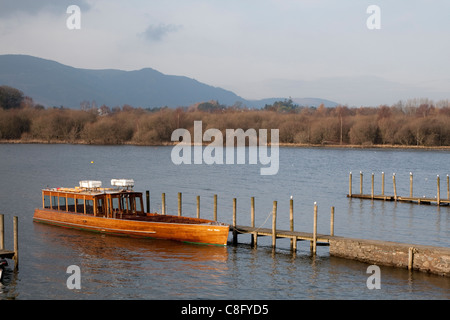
column 350, row 184
column 372, row 185
column 252, row 221
column 252, row 211
column 448, row 189
column 332, row 222
column 410, row 185
column 291, row 222
column 382, row 183
column 180, row 205
column 215, row 207
column 234, row 223
column 314, row 240
column 360, row 182
column 395, row 187
column 411, row 251
column 163, row 203
column 198, row 207
column 438, row 191
column 274, row 224
column 147, row 197
column 16, row 243
column 2, row 232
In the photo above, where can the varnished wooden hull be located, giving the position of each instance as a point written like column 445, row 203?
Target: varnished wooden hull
column 152, row 226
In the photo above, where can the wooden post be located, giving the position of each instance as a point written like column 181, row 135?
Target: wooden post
column 350, row 184
column 332, row 222
column 142, row 204
column 215, row 207
column 360, row 182
column 234, row 223
column 382, row 183
column 252, row 220
column 179, row 204
column 252, row 212
column 16, row 243
column 163, row 203
column 274, row 224
column 291, row 214
column 448, row 188
column 2, row 232
column 95, row 206
column 314, row 242
column 291, row 222
column 147, row 197
column 198, row 207
column 372, row 185
column 411, row 251
column 438, row 191
column 395, row 187
column 410, row 185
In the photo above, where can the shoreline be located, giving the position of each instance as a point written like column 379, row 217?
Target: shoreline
column 287, row 145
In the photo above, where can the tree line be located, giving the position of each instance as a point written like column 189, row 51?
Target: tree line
column 416, row 122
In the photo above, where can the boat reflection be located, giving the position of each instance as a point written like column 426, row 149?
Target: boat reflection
column 116, row 248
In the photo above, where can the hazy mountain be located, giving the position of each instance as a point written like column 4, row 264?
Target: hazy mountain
column 54, row 84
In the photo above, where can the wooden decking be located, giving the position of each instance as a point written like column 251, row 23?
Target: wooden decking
column 416, row 200
column 322, row 240
column 6, row 254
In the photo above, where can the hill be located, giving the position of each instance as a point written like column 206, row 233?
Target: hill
column 53, row 84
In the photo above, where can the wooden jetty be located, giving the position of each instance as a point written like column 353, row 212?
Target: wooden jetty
column 438, row 200
column 9, row 254
column 423, row 258
column 314, row 238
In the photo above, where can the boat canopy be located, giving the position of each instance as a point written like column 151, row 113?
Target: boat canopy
column 91, row 198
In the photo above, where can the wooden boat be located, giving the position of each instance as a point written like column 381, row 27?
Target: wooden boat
column 119, row 211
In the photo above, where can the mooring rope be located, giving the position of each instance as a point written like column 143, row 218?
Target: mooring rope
column 257, row 229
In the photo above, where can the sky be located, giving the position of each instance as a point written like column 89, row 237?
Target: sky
column 255, row 48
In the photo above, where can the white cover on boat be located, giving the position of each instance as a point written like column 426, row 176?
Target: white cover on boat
column 90, row 184
column 122, row 182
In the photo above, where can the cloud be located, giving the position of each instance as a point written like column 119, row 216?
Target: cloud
column 155, row 33
column 9, row 8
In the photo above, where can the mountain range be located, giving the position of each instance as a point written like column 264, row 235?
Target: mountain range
column 53, row 84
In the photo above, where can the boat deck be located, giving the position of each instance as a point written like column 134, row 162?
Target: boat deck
column 154, row 217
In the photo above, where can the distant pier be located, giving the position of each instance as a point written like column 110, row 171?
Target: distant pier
column 438, row 199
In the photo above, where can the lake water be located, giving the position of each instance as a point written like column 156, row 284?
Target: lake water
column 125, row 268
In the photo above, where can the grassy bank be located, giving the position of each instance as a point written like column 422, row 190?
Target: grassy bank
column 283, row 145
